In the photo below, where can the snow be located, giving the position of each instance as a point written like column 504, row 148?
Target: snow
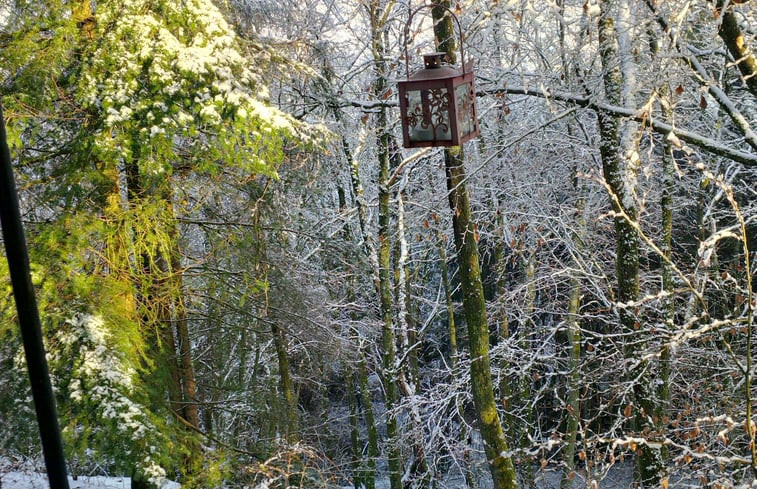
column 18, row 474
column 33, row 480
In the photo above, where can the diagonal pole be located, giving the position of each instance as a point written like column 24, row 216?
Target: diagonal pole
column 28, row 318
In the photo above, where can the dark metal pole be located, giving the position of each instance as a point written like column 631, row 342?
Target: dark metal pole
column 28, row 317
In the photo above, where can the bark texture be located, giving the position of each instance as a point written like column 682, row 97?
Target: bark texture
column 733, row 37
column 474, row 305
column 619, row 169
column 388, row 346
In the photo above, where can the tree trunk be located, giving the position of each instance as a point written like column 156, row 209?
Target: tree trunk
column 450, row 306
column 286, row 384
column 619, row 169
column 466, row 244
column 503, row 335
column 525, row 386
column 388, row 349
column 500, row 464
column 357, row 382
column 408, row 373
column 153, row 300
column 731, row 34
column 470, row 476
column 369, row 478
column 190, row 408
column 668, row 307
column 352, row 406
column 573, row 384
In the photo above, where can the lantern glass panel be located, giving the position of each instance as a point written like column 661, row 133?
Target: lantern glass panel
column 428, row 115
column 465, row 115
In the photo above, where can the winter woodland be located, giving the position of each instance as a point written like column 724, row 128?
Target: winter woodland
column 244, row 280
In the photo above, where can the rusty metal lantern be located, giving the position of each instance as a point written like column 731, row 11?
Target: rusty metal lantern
column 438, row 102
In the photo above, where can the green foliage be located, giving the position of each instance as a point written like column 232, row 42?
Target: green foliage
column 169, row 86
column 18, row 428
column 106, row 417
column 41, row 36
column 161, row 87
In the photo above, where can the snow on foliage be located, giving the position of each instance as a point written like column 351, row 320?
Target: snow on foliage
column 165, row 74
column 99, row 382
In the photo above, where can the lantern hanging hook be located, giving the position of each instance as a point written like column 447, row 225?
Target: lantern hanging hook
column 407, row 33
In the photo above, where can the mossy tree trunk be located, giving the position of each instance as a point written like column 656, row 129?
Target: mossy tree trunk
column 369, row 477
column 286, row 384
column 474, row 305
column 364, row 468
column 734, row 39
column 525, row 385
column 503, row 335
column 450, row 306
column 454, row 354
column 572, row 405
column 619, row 169
column 351, row 387
column 573, row 324
column 383, row 141
column 661, row 412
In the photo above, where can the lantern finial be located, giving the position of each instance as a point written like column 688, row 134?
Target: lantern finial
column 433, row 60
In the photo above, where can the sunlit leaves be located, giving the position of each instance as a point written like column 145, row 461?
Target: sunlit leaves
column 170, row 88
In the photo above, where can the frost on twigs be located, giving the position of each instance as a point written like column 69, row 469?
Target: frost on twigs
column 709, row 246
column 167, row 82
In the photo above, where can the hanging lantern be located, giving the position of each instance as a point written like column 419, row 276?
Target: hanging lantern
column 438, row 102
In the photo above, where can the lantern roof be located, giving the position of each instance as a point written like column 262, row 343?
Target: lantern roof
column 435, row 73
column 434, row 69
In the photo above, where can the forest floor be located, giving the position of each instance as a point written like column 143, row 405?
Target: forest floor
column 620, row 476
column 36, row 480
column 26, row 474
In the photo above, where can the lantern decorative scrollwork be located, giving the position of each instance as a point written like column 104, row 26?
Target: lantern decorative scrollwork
column 438, row 102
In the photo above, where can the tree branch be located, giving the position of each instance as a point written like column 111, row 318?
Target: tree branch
column 712, row 87
column 640, row 115
column 644, row 116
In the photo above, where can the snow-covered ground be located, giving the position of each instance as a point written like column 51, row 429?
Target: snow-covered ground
column 35, row 480
column 25, row 480
column 620, row 476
